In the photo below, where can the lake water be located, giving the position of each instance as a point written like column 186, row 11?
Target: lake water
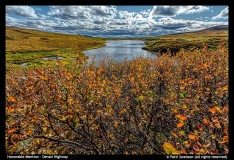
column 24, row 64
column 120, row 49
column 116, row 49
column 52, row 58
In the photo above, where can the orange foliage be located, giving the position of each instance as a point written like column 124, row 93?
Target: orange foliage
column 136, row 107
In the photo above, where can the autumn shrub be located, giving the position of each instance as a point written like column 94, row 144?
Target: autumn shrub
column 164, row 105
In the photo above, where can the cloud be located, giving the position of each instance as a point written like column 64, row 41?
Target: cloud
column 81, row 12
column 39, row 9
column 98, row 22
column 223, row 14
column 169, row 25
column 67, row 12
column 103, row 10
column 10, row 21
column 25, row 11
column 175, row 10
column 42, row 16
column 120, row 22
column 107, row 21
column 165, row 10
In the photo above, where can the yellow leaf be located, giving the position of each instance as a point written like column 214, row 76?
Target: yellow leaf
column 169, row 148
column 180, row 124
column 174, row 110
column 44, row 128
column 37, row 141
column 184, row 106
column 116, row 124
column 205, row 65
column 213, row 136
column 225, row 88
column 182, row 133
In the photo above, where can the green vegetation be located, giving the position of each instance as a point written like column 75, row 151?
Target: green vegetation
column 187, row 41
column 25, row 45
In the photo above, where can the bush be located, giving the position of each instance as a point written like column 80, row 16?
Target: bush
column 164, row 105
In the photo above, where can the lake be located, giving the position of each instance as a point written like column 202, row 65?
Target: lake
column 120, row 49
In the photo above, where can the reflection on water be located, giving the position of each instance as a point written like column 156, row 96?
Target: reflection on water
column 24, row 64
column 120, row 49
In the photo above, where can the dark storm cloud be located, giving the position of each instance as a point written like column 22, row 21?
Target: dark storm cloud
column 165, row 11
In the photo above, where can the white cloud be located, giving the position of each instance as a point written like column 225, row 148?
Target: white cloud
column 223, row 14
column 25, row 11
column 81, row 12
column 42, row 16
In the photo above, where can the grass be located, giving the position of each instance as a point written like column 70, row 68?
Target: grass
column 192, row 40
column 26, row 45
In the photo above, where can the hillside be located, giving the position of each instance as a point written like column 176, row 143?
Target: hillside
column 38, row 44
column 216, row 28
column 174, row 42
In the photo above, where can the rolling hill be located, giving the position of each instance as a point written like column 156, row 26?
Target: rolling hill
column 27, row 45
column 174, row 42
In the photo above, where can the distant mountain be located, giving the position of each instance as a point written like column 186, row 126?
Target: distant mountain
column 215, row 28
column 211, row 29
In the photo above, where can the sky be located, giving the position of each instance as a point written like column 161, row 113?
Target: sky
column 116, row 21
